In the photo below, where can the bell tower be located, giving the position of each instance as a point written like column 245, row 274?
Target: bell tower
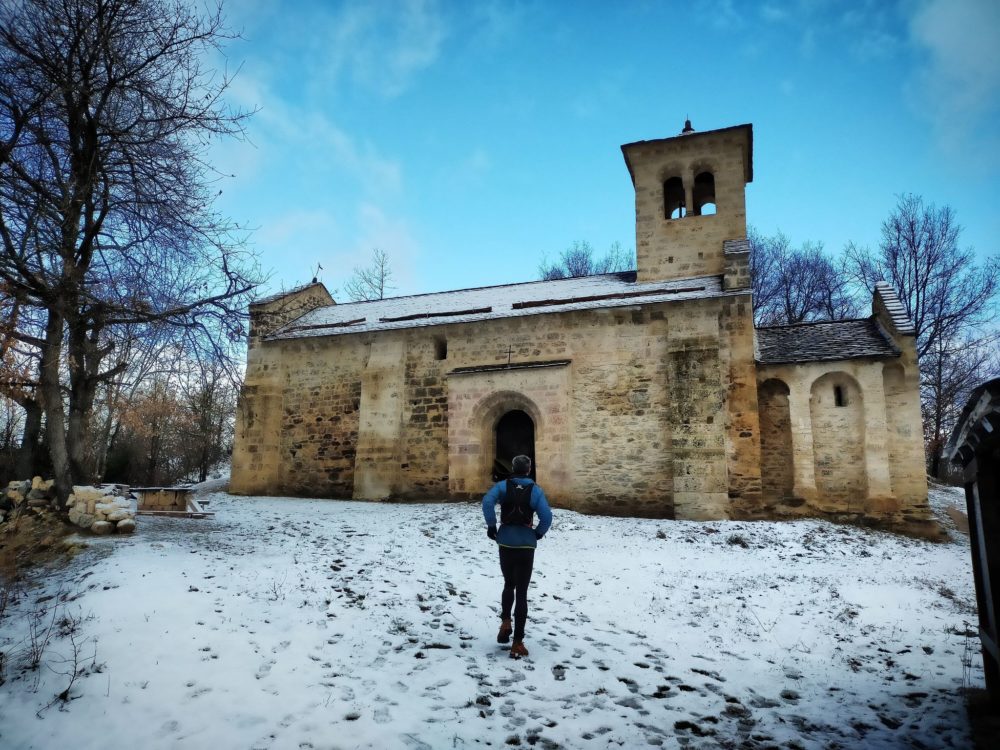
column 690, row 198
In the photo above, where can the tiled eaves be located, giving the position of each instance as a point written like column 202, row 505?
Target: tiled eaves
column 605, row 291
column 824, row 341
column 895, row 308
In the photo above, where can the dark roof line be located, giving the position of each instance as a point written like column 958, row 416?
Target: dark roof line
column 599, row 297
column 317, row 326
column 419, row 316
column 812, row 323
column 511, row 366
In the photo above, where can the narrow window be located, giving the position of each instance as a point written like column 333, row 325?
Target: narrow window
column 673, row 199
column 440, row 347
column 838, row 396
column 704, row 194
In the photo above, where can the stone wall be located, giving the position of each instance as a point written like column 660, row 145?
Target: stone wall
column 634, row 409
column 777, row 477
column 859, row 459
column 693, row 245
column 837, row 415
column 270, row 314
column 101, row 510
column 297, row 420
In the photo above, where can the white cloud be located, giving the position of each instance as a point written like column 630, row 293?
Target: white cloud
column 959, row 87
column 773, row 13
column 301, row 238
column 725, row 16
column 962, row 38
column 287, row 132
column 379, row 46
column 474, row 166
column 289, row 229
column 601, row 95
column 496, row 22
column 380, row 230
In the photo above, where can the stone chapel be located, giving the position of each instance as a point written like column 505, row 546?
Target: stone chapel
column 646, row 393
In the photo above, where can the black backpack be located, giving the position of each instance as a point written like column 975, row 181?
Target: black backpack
column 516, row 506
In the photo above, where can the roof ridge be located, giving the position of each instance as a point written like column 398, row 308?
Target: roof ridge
column 285, row 292
column 813, row 323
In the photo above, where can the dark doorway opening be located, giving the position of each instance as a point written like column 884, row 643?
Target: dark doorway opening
column 515, row 436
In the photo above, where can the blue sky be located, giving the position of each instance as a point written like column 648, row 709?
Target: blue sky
column 468, row 140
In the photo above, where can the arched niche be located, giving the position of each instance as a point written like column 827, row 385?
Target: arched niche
column 776, row 455
column 837, row 412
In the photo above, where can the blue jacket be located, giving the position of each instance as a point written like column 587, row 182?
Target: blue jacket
column 518, row 536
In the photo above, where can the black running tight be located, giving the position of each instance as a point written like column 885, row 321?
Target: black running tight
column 516, row 564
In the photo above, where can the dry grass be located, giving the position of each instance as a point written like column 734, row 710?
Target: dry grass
column 30, row 538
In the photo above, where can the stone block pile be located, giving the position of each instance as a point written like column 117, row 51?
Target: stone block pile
column 32, row 493
column 101, row 510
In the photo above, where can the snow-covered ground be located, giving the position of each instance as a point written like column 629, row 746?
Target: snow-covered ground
column 285, row 623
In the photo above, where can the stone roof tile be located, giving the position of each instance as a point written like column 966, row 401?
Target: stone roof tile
column 824, row 341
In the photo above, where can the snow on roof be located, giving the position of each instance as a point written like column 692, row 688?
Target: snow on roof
column 489, row 303
column 895, row 308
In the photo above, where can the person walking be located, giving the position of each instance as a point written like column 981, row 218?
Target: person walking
column 519, row 499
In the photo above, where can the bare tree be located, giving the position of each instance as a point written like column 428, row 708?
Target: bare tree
column 210, row 396
column 766, row 254
column 943, row 290
column 949, row 297
column 580, row 259
column 951, row 370
column 174, row 421
column 371, row 282
column 106, row 217
column 19, row 381
column 795, row 285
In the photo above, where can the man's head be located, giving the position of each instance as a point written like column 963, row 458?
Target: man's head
column 521, row 466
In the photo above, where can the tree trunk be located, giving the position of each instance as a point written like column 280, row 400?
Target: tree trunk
column 50, row 396
column 27, row 455
column 85, row 358
column 104, row 445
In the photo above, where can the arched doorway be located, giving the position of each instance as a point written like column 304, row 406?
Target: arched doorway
column 515, row 435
